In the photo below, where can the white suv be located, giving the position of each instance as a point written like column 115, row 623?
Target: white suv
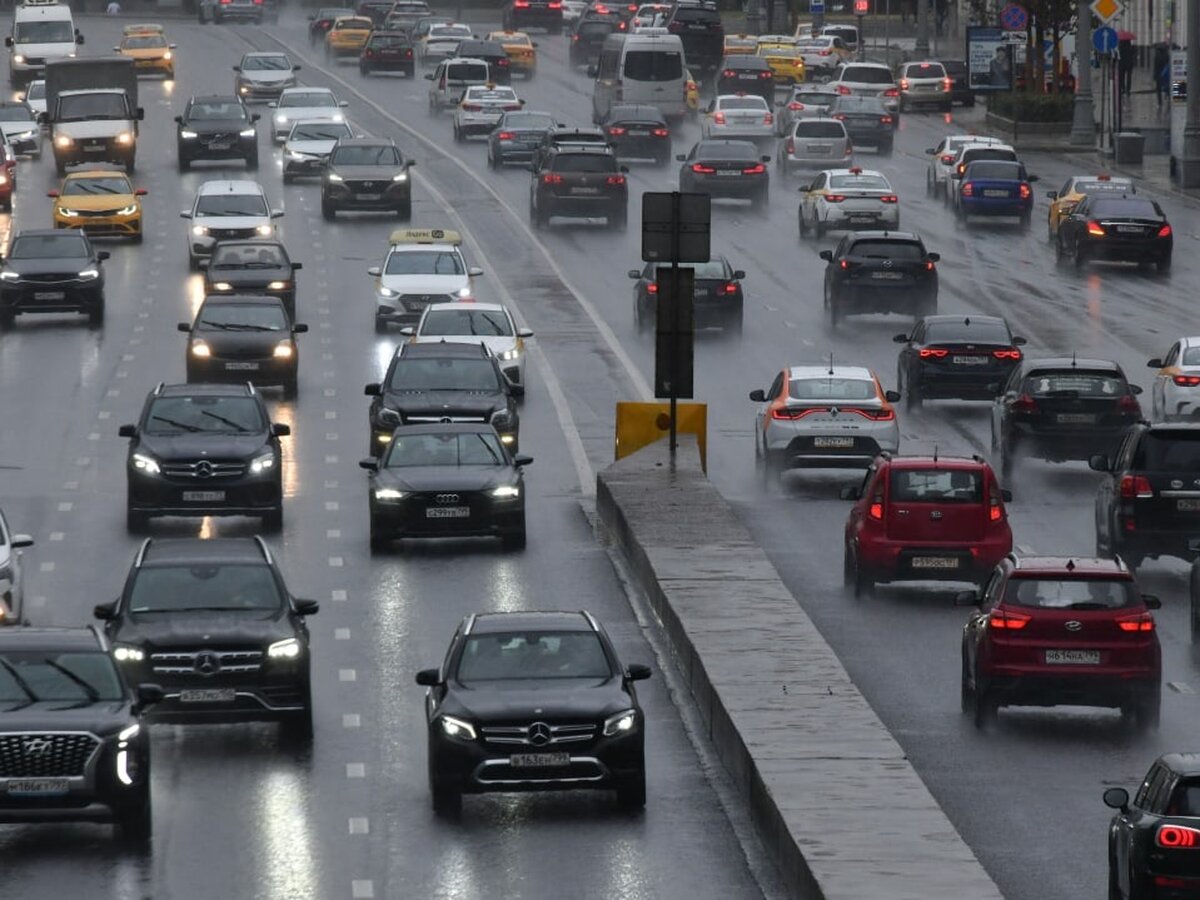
column 227, row 211
column 304, row 104
column 868, row 80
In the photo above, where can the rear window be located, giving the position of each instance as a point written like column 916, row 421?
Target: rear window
column 1168, row 451
column 859, row 182
column 743, row 103
column 925, row 70
column 996, row 168
column 909, row 251
column 974, row 153
column 1139, row 209
column 1074, row 382
column 731, row 150
column 847, row 33
column 867, row 75
column 975, row 332
column 653, row 65
column 936, row 486
column 695, row 15
column 816, row 98
column 820, row 129
column 1191, row 356
column 831, row 388
column 595, row 29
column 476, row 72
column 1070, row 593
column 1185, row 801
column 744, row 61
column 585, row 162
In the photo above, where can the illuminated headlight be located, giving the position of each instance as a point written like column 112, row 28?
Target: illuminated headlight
column 384, row 438
column 506, row 490
column 222, row 286
column 199, row 230
column 128, row 653
column 9, row 276
column 147, row 464
column 457, row 728
column 243, row 90
column 338, row 117
column 283, row 350
column 127, row 767
column 67, row 213
column 389, row 494
column 129, row 210
column 288, row 648
column 292, row 154
column 188, row 135
column 262, row 464
column 265, row 229
column 277, row 285
column 167, row 55
column 510, row 354
column 129, row 733
column 507, row 438
column 403, row 176
column 63, row 140
column 281, row 120
column 249, row 132
column 90, row 273
column 621, row 723
column 200, row 348
column 334, row 176
column 18, row 59
column 124, row 138
column 387, row 292
column 464, row 292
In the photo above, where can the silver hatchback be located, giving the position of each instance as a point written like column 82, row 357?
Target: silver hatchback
column 815, row 143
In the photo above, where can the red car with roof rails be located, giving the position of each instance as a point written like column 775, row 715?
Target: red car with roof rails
column 1053, row 630
column 925, row 518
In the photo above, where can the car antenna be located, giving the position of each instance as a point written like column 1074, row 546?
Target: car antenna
column 935, row 448
column 1070, row 565
column 830, row 362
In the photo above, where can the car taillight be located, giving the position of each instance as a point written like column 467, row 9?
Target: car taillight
column 968, row 189
column 521, row 4
column 769, row 119
column 904, row 84
column 652, row 288
column 552, row 178
column 555, row 4
column 1129, row 404
column 995, row 509
column 369, row 52
column 505, row 136
column 842, row 89
column 1024, row 403
column 889, row 198
column 719, row 118
column 471, row 107
column 575, row 37
column 616, row 129
column 891, row 92
column 1165, row 231
column 729, row 73
column 845, row 264
column 615, row 179
column 757, row 169
column 731, row 287
column 1007, row 620
column 661, row 132
column 790, row 147
column 885, row 120
column 503, row 62
column 825, row 52
column 962, row 167
column 1178, row 837
column 933, row 353
column 929, row 265
column 875, row 510
column 947, row 158
column 1142, row 621
column 1011, row 353
column 408, row 54
column 1026, row 193
column 834, row 198
column 841, row 117
column 1095, row 229
column 1187, row 380
column 1136, row 486
column 795, row 106
column 703, row 169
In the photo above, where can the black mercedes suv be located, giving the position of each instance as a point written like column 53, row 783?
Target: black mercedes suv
column 50, row 271
column 574, row 721
column 204, row 450
column 212, row 622
column 72, row 746
column 367, row 174
column 443, row 382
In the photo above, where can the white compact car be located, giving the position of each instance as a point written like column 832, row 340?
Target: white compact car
column 924, row 84
column 423, row 266
column 823, row 417
column 304, row 104
column 941, row 159
column 227, row 211
column 21, row 130
column 35, row 96
column 308, row 145
column 745, row 117
column 442, row 42
column 805, row 101
column 12, row 582
column 481, row 107
column 814, row 144
column 489, row 324
column 1175, row 393
column 848, row 198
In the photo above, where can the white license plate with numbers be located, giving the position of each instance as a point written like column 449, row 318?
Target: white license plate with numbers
column 1073, row 657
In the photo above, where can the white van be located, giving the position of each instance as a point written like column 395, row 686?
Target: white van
column 640, row 68
column 42, row 30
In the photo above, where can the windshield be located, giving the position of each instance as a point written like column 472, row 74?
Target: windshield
column 325, row 131
column 111, row 184
column 29, row 676
column 15, row 114
column 213, row 111
column 309, row 99
column 653, row 65
column 972, row 332
column 537, row 655
column 425, row 262
column 242, row 317
column 936, row 486
column 275, row 62
column 144, row 41
column 1168, row 451
column 1070, row 593
column 867, row 75
column 444, row 375
column 231, row 205
column 831, row 388
column 458, row 322
column 714, row 269
column 374, row 155
column 92, row 106
column 252, row 256
column 47, row 246
column 216, row 586
column 58, row 32
column 528, row 121
column 474, row 448
column 909, row 251
column 37, row 90
column 1076, row 382
column 202, row 413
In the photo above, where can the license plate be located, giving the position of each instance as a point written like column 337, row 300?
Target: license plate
column 832, row 442
column 369, row 196
column 1075, row 418
column 203, row 496
column 211, row 695
column 1073, row 657
column 242, row 366
column 49, row 295
column 1129, row 229
column 969, row 360
column 862, row 220
column 585, row 190
column 1188, row 505
column 729, row 172
column 887, row 276
column 638, row 132
column 539, row 760
column 448, row 512
column 820, row 148
column 94, row 148
column 39, row 786
column 992, row 193
column 221, row 145
column 934, row 562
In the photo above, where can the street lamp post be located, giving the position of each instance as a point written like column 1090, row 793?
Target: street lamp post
column 1083, row 125
column 1189, row 165
column 921, row 50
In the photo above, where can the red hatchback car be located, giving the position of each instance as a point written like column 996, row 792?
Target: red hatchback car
column 1053, row 631
column 922, row 518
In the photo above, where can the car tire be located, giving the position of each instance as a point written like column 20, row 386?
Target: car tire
column 288, row 177
column 96, row 314
column 491, row 160
column 252, row 162
column 641, row 321
column 447, row 801
column 297, row 729
column 380, row 539
column 1114, row 889
column 818, row 227
column 912, row 396
column 631, row 793
column 985, row 705
column 136, row 825
column 1194, row 604
column 514, row 540
column 291, row 388
column 328, row 211
column 966, row 691
column 184, row 163
column 803, row 226
column 847, row 567
column 458, row 135
column 272, row 520
column 1079, row 257
column 1026, row 222
column 864, row 584
column 833, row 310
column 1164, row 266
column 929, row 189
column 404, row 210
column 1008, row 458
column 1051, row 234
column 381, row 325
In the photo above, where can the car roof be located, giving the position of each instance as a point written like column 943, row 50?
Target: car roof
column 1182, row 763
column 905, row 236
column 967, row 321
column 1035, row 566
column 169, row 551
column 1071, row 362
column 1168, row 427
column 821, row 371
column 230, row 186
column 937, row 462
column 26, row 637
column 456, row 349
column 472, row 305
column 533, row 620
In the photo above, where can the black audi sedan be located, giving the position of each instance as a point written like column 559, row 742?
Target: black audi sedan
column 733, row 169
column 243, row 338
column 716, row 295
column 533, row 701
column 1125, row 229
column 216, row 127
column 52, row 271
column 252, row 267
column 517, row 135
column 446, row 480
column 956, row 357
column 638, row 131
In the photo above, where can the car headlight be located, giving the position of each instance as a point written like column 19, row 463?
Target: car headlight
column 128, row 653
column 63, row 140
column 403, row 176
column 387, row 292
column 622, row 723
column 18, row 59
column 129, row 210
column 507, row 490
column 513, row 353
column 389, row 494
column 129, row 733
column 222, row 286
column 90, row 273
column 248, row 132
column 464, row 292
column 188, row 135
column 265, row 230
column 334, row 176
column 289, row 648
column 67, row 213
column 292, row 154
column 283, row 350
column 277, row 285
column 457, row 728
column 167, row 55
column 199, row 230
column 389, row 416
column 9, row 276
column 280, row 120
column 242, row 89
column 501, row 419
column 262, row 463
column 200, row 348
column 338, row 117
column 144, row 463
column 507, row 438
column 125, row 138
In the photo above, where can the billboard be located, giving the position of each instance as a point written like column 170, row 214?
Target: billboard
column 990, row 58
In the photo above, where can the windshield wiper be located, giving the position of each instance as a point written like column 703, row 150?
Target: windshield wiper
column 239, row 326
column 21, row 683
column 177, row 609
column 487, row 446
column 88, row 688
column 232, row 424
column 184, row 425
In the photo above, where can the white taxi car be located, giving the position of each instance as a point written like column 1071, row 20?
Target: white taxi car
column 848, row 198
column 423, row 266
column 823, row 417
column 740, row 116
column 941, row 159
column 489, row 324
column 481, row 107
column 12, row 584
column 1175, row 393
column 304, row 104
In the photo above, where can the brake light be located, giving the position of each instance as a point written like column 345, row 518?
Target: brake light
column 795, row 106
column 1136, row 486
column 408, row 54
column 505, row 136
column 946, row 84
column 503, row 62
column 471, row 107
column 1012, row 353
column 731, row 287
column 995, row 509
column 729, row 73
column 933, row 353
column 1187, row 380
column 652, row 288
column 1008, row 620
column 1139, row 622
column 783, row 413
column 615, row 179
column 1095, row 229
column 1025, row 404
column 968, row 189
column 521, row 4
column 719, row 118
column 757, row 169
column 962, row 167
column 769, row 119
column 703, row 169
column 616, row 129
column 845, row 263
column 1026, row 193
column 834, row 198
column 891, row 92
column 875, row 511
column 1129, row 404
column 947, row 158
column 889, row 198
column 790, row 148
column 661, row 132
column 842, row 89
column 555, row 4
column 552, row 178
column 1177, row 837
column 929, row 265
column 904, row 84
column 1165, row 231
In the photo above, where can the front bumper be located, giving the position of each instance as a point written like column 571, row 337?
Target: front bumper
column 488, row 517
column 52, row 297
column 242, row 496
column 101, row 225
column 342, row 196
column 97, row 795
column 278, row 691
column 252, row 90
column 206, row 148
column 306, row 165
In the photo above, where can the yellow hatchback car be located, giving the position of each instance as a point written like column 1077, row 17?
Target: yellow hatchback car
column 101, row 202
column 784, row 56
column 740, row 43
column 1064, row 200
column 348, row 36
column 521, row 50
column 147, row 46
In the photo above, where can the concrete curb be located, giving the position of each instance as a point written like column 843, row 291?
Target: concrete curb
column 834, row 799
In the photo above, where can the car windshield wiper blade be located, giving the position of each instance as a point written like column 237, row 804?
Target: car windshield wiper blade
column 239, row 326
column 88, row 688
column 16, row 676
column 489, row 449
column 184, row 425
column 232, row 424
column 176, row 609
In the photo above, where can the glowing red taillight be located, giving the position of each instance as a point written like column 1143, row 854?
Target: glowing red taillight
column 842, row 89
column 1165, row 231
column 889, row 198
column 947, row 158
column 904, row 84
column 1008, row 620
column 615, row 179
column 652, row 288
column 1025, row 404
column 875, row 510
column 754, row 170
column 768, row 119
column 616, row 129
column 790, row 147
column 661, row 132
column 1136, row 486
column 1187, row 380
column 1026, row 193
column 1011, row 353
column 995, row 509
column 505, row 136
column 834, row 198
column 891, row 92
column 933, row 353
column 552, row 178
column 1129, row 405
column 703, row 169
column 719, row 118
column 1095, row 229
column 1138, row 622
column 795, row 106
column 1177, row 837
column 729, row 73
column 731, row 287
column 472, row 107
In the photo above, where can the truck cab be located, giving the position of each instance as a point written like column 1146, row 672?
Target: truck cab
column 92, row 111
column 42, row 30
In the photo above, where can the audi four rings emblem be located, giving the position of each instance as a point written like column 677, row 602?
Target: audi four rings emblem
column 1074, row 625
column 539, row 734
column 36, row 746
column 447, row 498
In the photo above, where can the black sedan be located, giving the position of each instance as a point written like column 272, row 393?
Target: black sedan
column 867, row 121
column 956, row 357
column 50, row 271
column 726, row 169
column 1064, row 408
column 1153, row 839
column 446, row 480
column 533, row 701
column 252, row 267
column 880, row 271
column 716, row 295
column 517, row 135
column 216, row 127
column 387, row 51
column 746, row 73
column 240, row 339
column 637, row 131
column 1128, row 229
column 589, row 35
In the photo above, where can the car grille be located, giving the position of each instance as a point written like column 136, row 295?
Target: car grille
column 226, row 136
column 367, row 187
column 231, row 234
column 204, row 469
column 35, row 60
column 206, row 661
column 54, row 755
column 85, row 213
column 420, row 420
column 417, row 302
column 39, row 278
column 539, row 734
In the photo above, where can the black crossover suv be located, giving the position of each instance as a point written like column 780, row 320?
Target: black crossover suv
column 50, row 271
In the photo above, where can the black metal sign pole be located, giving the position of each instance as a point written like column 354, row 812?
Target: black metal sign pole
column 676, row 226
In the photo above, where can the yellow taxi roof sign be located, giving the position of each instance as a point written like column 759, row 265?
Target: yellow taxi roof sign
column 142, row 28
column 425, row 236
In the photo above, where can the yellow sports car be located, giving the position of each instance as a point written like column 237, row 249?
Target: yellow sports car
column 785, row 58
column 99, row 202
column 148, row 48
column 1077, row 186
column 740, row 43
column 348, row 36
column 521, row 50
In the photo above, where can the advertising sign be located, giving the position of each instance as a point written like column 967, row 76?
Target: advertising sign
column 989, row 59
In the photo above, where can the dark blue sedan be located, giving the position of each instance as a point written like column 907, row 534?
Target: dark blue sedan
column 994, row 187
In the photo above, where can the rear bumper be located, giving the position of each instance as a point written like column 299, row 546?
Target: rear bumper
column 959, row 385
column 1077, row 688
column 1149, row 250
column 985, row 206
column 902, row 561
column 1073, row 445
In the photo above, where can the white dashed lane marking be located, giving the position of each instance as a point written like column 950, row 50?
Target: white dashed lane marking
column 347, row 675
column 349, row 720
column 359, row 825
column 341, row 634
column 362, row 889
column 337, row 596
column 356, row 770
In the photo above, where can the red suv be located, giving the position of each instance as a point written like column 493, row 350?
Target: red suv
column 1053, row 630
column 921, row 518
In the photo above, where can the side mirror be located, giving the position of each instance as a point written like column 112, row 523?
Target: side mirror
column 296, row 267
column 127, row 431
column 933, row 257
column 203, row 263
column 300, row 328
column 116, row 49
column 272, row 104
column 739, row 274
column 185, row 214
column 306, row 607
column 1032, row 179
column 141, row 114
column 900, row 338
column 20, row 541
column 1151, row 601
column 516, row 390
column 524, row 332
column 892, row 396
column 79, row 38
column 758, row 396
column 184, row 327
column 766, row 159
column 374, row 270
column 854, row 492
column 408, row 331
column 371, row 465
column 966, row 598
column 637, row 672
column 8, row 42
column 343, row 103
column 105, row 611
column 1019, row 341
column 591, row 71
column 1154, row 363
column 140, row 192
column 1135, row 389
column 522, row 101
column 237, row 68
column 1098, row 463
column 474, row 271
column 374, row 389
column 179, row 119
column 522, row 460
column 680, row 157
column 410, row 163
column 149, row 694
column 429, row 677
column 1117, row 798
column 429, row 76
column 51, row 193
column 43, row 118
column 826, row 255
column 297, row 68
column 1053, row 195
column 254, row 117
column 279, row 429
column 277, row 214
column 104, row 254
column 930, row 151
column 1006, row 495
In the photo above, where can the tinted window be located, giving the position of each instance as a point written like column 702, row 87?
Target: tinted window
column 1118, row 208
column 231, row 205
column 1168, row 451
column 14, row 114
column 653, row 65
column 537, row 655
column 388, row 40
column 584, row 162
column 37, row 90
column 473, row 72
column 698, row 16
column 726, row 150
column 242, row 317
column 831, row 388
column 424, row 262
column 256, row 255
column 859, row 182
column 1095, row 186
column 530, row 121
column 158, row 589
column 867, row 75
column 909, row 251
column 814, row 98
column 595, row 29
column 742, row 61
column 27, row 675
column 355, row 24
column 713, row 269
column 925, row 70
column 326, row 131
column 1191, row 356
column 1074, row 382
column 459, row 322
column 473, row 448
column 377, row 155
column 996, row 169
column 975, row 332
column 1070, row 593
column 178, row 415
column 444, row 375
column 1185, row 800
column 212, row 110
column 752, row 103
column 47, row 246
column 100, row 185
column 934, row 486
